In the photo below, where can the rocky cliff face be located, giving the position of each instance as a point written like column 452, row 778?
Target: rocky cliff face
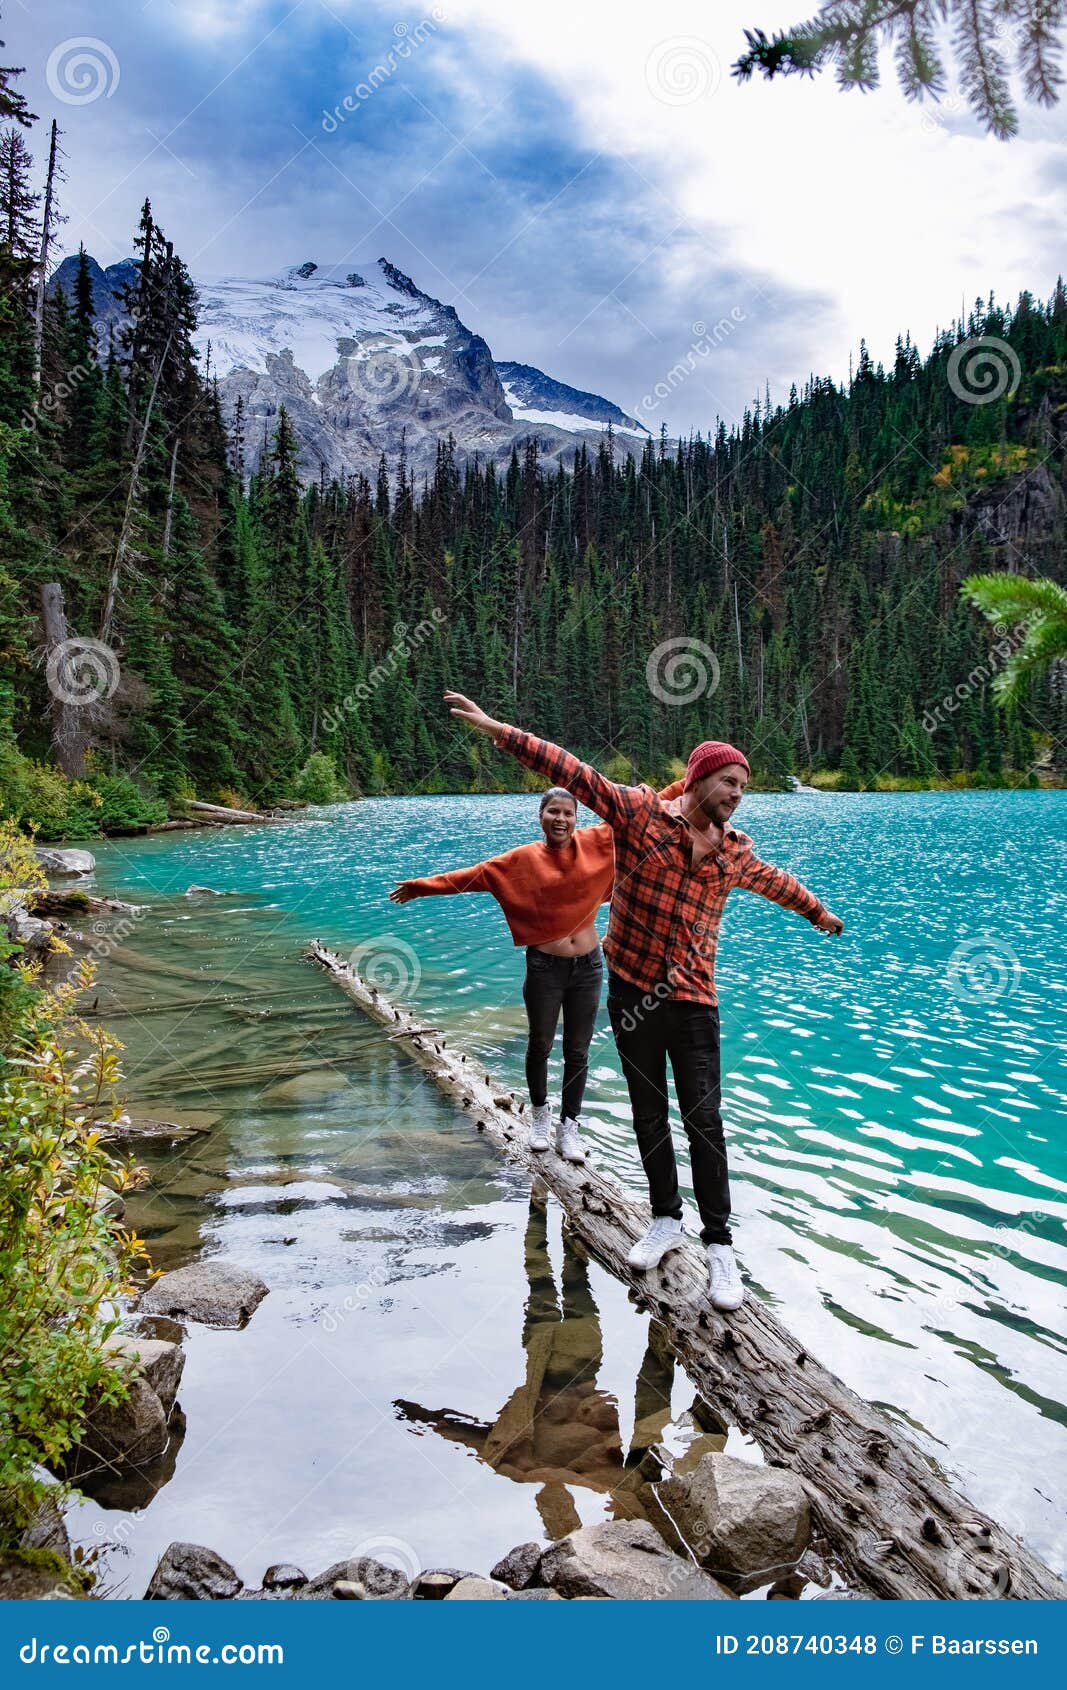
column 367, row 363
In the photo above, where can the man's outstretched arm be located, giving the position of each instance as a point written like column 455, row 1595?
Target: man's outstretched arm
column 784, row 888
column 616, row 804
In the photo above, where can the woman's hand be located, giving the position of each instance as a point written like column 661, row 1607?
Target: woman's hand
column 472, row 714
column 828, row 923
column 403, row 892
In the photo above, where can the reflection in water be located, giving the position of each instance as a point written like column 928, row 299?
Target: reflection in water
column 900, row 1169
column 558, row 1428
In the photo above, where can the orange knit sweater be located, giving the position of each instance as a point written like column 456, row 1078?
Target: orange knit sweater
column 547, row 892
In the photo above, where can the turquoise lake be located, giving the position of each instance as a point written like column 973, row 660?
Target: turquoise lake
column 895, row 1103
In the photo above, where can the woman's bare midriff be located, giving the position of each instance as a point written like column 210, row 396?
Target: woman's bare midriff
column 577, row 944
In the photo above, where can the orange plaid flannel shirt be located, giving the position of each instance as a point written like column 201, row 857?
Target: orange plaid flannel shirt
column 665, row 914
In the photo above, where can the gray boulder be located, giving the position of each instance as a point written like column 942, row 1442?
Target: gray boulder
column 476, row 1590
column 380, row 1583
column 212, row 1292
column 121, row 1434
column 433, row 1583
column 283, row 1576
column 519, row 1567
column 187, row 1572
column 157, row 1362
column 745, row 1523
column 56, row 861
column 538, row 1594
column 628, row 1561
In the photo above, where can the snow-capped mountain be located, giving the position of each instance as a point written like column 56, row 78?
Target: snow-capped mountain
column 364, row 362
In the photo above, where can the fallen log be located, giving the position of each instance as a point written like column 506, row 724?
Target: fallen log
column 898, row 1529
column 221, row 813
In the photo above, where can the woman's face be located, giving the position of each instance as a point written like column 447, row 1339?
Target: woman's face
column 559, row 818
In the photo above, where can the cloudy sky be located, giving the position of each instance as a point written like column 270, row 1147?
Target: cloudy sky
column 585, row 183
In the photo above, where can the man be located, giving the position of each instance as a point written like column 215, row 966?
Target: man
column 675, row 862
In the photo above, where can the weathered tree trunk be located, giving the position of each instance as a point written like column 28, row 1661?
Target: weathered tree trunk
column 126, row 532
column 897, row 1527
column 220, row 813
column 47, row 232
column 70, row 733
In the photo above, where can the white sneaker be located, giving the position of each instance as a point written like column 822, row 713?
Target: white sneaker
column 537, row 1133
column 664, row 1234
column 727, row 1291
column 568, row 1143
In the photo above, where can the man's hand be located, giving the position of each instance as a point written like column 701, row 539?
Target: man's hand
column 403, row 892
column 828, row 923
column 472, row 714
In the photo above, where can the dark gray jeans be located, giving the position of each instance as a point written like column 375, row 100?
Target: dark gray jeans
column 571, row 984
column 649, row 1031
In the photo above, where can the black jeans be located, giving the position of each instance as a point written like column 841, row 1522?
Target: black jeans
column 649, row 1029
column 570, row 983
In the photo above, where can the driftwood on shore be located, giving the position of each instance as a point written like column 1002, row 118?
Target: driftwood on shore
column 898, row 1528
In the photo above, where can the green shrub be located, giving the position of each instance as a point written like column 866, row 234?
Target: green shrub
column 318, row 781
column 63, row 1263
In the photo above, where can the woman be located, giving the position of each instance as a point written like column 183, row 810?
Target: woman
column 550, row 893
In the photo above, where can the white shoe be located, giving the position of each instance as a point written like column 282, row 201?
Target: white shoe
column 664, row 1234
column 725, row 1287
column 568, row 1143
column 537, row 1134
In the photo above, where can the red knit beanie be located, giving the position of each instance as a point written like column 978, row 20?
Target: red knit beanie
column 705, row 759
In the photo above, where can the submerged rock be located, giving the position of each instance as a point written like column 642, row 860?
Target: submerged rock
column 747, row 1524
column 187, row 1572
column 628, row 1561
column 213, row 1292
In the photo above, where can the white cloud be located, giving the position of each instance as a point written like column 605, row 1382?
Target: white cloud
column 898, row 211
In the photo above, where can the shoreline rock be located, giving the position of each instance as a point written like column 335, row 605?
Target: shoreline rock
column 213, row 1292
